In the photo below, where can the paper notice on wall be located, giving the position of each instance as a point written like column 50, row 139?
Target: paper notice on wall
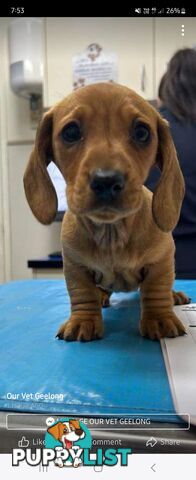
column 93, row 66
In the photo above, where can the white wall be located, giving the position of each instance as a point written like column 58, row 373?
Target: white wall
column 130, row 38
column 138, row 42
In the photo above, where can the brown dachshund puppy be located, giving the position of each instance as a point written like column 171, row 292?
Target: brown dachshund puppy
column 116, row 235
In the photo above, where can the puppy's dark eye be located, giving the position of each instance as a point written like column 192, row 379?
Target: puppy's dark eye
column 71, row 133
column 141, row 134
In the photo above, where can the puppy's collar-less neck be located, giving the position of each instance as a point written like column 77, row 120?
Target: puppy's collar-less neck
column 119, row 234
column 108, row 235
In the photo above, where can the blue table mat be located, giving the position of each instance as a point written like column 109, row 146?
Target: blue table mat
column 122, row 374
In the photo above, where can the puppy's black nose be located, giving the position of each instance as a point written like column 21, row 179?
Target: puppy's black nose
column 107, row 184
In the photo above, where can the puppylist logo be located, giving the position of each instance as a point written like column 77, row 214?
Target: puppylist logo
column 68, row 443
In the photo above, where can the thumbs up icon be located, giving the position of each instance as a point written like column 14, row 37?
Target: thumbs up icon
column 23, row 443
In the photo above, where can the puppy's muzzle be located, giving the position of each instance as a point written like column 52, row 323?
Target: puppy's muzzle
column 107, row 184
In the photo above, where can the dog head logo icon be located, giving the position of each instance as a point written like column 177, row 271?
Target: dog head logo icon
column 68, row 437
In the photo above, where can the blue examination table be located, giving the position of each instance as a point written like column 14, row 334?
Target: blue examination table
column 122, row 374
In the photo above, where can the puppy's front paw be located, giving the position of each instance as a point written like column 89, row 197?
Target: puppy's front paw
column 80, row 329
column 158, row 326
column 180, row 298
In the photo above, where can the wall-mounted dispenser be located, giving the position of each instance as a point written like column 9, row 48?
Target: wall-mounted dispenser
column 26, row 56
column 26, row 62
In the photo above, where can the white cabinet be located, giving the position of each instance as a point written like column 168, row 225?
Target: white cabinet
column 53, row 273
column 29, row 239
column 1, row 208
column 130, row 38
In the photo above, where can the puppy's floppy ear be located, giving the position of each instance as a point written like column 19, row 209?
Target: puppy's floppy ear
column 38, row 187
column 169, row 192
